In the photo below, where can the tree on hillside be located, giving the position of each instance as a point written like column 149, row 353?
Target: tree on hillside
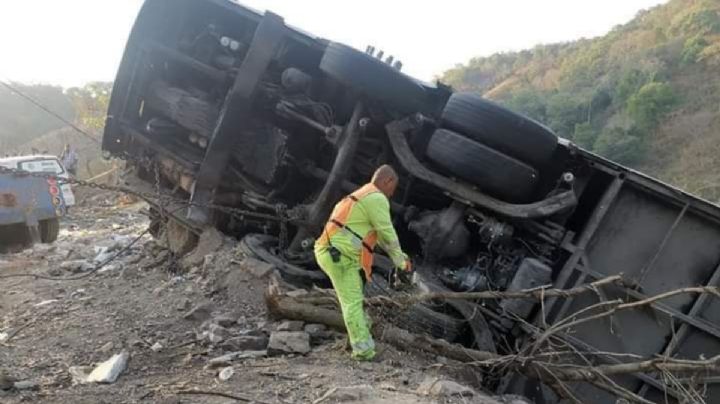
column 22, row 121
column 91, row 104
column 650, row 103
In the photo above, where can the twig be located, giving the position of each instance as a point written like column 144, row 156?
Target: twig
column 537, row 293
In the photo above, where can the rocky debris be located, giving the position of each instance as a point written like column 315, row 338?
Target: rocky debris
column 199, row 313
column 157, row 347
column 105, row 372
column 4, row 336
column 288, row 342
column 258, row 269
column 227, row 359
column 226, row 320
column 26, row 385
column 246, row 343
column 347, row 394
column 74, row 266
column 6, row 382
column 216, row 334
column 209, row 242
column 433, row 386
column 291, row 326
column 226, row 374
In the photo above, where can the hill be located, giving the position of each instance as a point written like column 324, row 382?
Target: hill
column 647, row 94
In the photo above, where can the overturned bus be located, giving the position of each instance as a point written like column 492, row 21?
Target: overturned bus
column 258, row 128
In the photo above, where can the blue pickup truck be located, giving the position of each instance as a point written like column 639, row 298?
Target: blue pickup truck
column 30, row 209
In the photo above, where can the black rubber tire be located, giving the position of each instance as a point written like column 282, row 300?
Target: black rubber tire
column 261, row 246
column 419, row 318
column 493, row 172
column 498, row 127
column 49, row 230
column 373, row 78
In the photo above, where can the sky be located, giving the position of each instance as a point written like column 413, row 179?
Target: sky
column 70, row 42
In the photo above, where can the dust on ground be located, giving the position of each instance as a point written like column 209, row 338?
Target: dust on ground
column 175, row 324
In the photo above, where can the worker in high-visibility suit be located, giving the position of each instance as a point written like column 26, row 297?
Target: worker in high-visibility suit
column 345, row 248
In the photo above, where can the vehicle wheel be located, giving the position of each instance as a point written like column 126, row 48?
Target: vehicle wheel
column 419, row 318
column 49, row 230
column 373, row 78
column 264, row 248
column 494, row 172
column 497, row 127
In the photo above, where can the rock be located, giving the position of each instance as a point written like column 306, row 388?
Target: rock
column 288, row 342
column 113, row 267
column 74, row 266
column 6, row 382
column 46, row 302
column 157, row 347
column 246, row 343
column 106, row 348
column 199, row 313
column 226, row 373
column 4, row 336
column 257, row 268
column 217, row 334
column 226, row 320
column 315, row 328
column 110, row 370
column 346, row 394
column 26, row 385
column 227, row 359
column 210, row 241
column 297, row 293
column 291, row 326
column 433, row 386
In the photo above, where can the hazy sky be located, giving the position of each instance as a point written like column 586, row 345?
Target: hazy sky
column 70, row 42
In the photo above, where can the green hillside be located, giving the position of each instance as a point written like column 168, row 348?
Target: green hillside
column 647, row 94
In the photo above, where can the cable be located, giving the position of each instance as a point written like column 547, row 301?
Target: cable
column 85, row 275
column 44, row 108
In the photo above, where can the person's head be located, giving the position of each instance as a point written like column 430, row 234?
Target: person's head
column 386, row 180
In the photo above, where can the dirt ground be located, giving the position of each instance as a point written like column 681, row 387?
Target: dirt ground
column 136, row 303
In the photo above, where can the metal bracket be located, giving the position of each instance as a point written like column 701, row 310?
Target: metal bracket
column 270, row 34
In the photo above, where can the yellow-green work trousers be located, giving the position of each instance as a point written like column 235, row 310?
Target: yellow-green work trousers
column 348, row 285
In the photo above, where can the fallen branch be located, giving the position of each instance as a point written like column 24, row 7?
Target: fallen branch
column 532, row 366
column 536, row 293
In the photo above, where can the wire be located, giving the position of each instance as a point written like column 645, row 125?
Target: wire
column 87, row 274
column 49, row 111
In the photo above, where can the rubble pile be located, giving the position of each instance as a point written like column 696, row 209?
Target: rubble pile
column 140, row 328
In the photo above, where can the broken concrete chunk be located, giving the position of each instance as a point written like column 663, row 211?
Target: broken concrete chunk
column 291, row 326
column 257, row 268
column 110, row 370
column 288, row 342
column 433, row 386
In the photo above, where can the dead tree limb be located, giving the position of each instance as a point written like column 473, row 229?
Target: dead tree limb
column 537, row 293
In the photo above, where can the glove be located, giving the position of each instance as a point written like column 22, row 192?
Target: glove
column 401, row 278
column 408, row 265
